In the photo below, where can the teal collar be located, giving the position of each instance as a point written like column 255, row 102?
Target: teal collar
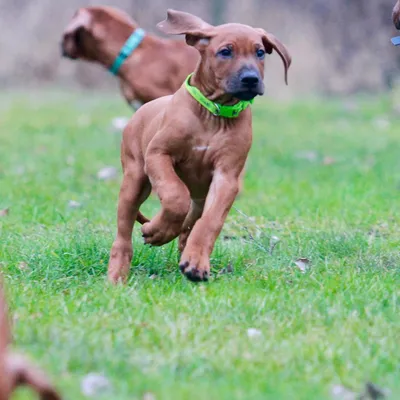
column 127, row 49
column 216, row 109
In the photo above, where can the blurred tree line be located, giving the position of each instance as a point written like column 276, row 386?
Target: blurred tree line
column 338, row 46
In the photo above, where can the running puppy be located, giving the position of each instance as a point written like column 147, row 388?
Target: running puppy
column 191, row 147
column 148, row 67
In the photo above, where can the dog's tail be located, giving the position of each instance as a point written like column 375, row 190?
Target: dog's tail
column 14, row 369
column 141, row 218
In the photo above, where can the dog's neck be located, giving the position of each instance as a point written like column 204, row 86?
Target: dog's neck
column 204, row 80
column 108, row 50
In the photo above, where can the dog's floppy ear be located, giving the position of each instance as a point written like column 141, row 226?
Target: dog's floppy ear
column 182, row 23
column 272, row 43
column 82, row 19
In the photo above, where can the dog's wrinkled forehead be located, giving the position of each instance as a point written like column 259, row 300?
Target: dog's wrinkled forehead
column 238, row 35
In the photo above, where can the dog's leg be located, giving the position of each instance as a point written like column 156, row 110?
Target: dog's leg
column 135, row 189
column 195, row 260
column 241, row 179
column 174, row 197
column 5, row 379
column 22, row 373
column 195, row 211
column 129, row 94
column 15, row 370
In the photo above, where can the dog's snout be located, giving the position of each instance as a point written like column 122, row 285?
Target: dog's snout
column 249, row 79
column 63, row 50
column 246, row 84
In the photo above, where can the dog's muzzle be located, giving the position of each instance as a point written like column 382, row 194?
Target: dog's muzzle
column 247, row 84
column 69, row 46
column 64, row 52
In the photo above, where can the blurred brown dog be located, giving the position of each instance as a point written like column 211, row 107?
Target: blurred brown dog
column 396, row 15
column 190, row 155
column 15, row 370
column 156, row 68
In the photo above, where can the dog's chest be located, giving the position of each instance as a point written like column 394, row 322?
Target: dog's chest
column 195, row 168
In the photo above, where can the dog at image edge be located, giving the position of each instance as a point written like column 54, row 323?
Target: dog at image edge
column 156, row 68
column 15, row 371
column 396, row 15
column 190, row 157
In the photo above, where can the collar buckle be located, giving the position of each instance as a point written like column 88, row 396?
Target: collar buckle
column 217, row 113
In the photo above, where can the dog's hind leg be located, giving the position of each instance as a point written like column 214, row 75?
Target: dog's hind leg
column 134, row 191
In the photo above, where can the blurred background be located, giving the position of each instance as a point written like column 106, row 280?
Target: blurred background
column 339, row 47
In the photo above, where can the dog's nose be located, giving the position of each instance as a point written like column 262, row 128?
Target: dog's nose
column 250, row 79
column 62, row 49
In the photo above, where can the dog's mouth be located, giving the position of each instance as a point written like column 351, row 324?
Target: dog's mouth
column 246, row 85
column 67, row 54
column 71, row 44
column 246, row 95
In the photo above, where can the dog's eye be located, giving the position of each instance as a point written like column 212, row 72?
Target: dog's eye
column 226, row 53
column 260, row 54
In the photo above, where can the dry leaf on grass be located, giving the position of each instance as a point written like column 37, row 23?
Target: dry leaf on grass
column 253, row 333
column 107, row 173
column 302, row 264
column 273, row 241
column 22, row 265
column 374, row 392
column 328, row 160
column 4, row 212
column 308, row 155
column 94, row 384
column 149, row 396
column 74, row 204
column 340, row 392
column 227, row 270
column 371, row 392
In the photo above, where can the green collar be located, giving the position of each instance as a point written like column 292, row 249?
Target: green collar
column 216, row 109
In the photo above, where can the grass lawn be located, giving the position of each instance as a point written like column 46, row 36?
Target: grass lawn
column 322, row 183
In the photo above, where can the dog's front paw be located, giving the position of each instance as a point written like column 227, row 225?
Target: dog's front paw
column 195, row 266
column 158, row 232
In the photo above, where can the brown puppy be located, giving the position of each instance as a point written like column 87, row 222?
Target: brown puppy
column 192, row 158
column 16, row 371
column 156, row 68
column 396, row 15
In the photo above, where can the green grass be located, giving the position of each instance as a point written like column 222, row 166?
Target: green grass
column 338, row 323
